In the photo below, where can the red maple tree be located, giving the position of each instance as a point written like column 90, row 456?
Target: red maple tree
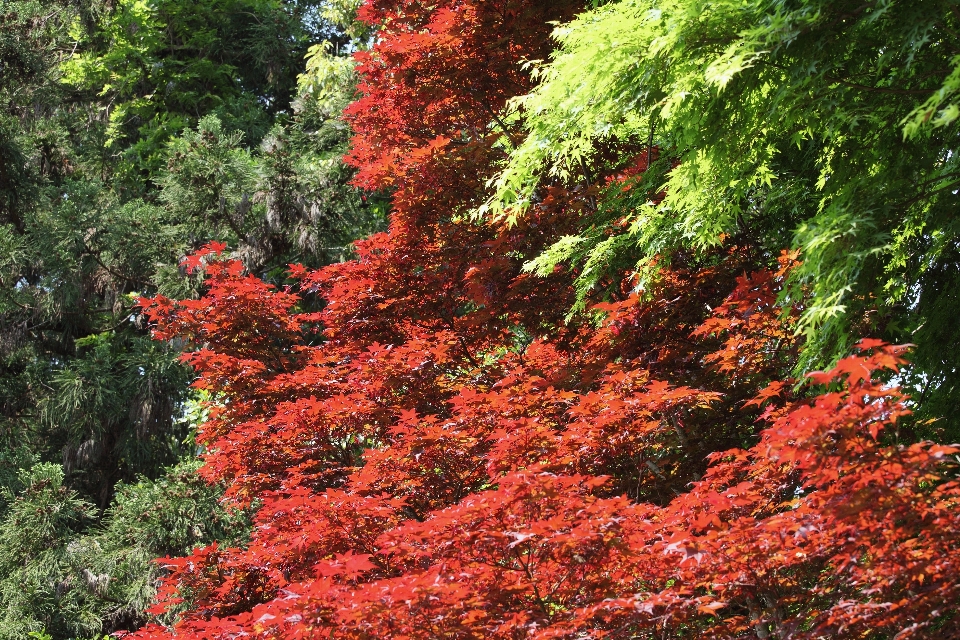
column 439, row 453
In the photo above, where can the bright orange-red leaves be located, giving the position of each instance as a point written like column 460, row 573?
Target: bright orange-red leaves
column 438, row 453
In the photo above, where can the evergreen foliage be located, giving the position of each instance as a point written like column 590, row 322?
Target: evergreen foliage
column 65, row 575
column 104, row 195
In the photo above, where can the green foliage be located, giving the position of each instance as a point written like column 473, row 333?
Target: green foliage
column 209, row 178
column 343, row 14
column 326, row 83
column 127, row 141
column 289, row 200
column 174, row 514
column 152, row 67
column 86, row 382
column 117, row 399
column 58, row 582
column 827, row 126
column 34, row 559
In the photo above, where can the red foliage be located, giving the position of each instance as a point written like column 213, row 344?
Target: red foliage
column 437, row 453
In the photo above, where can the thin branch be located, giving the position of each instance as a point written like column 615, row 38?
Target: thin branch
column 96, row 256
column 653, row 127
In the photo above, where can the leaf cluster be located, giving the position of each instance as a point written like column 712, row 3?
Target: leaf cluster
column 65, row 575
column 825, row 126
